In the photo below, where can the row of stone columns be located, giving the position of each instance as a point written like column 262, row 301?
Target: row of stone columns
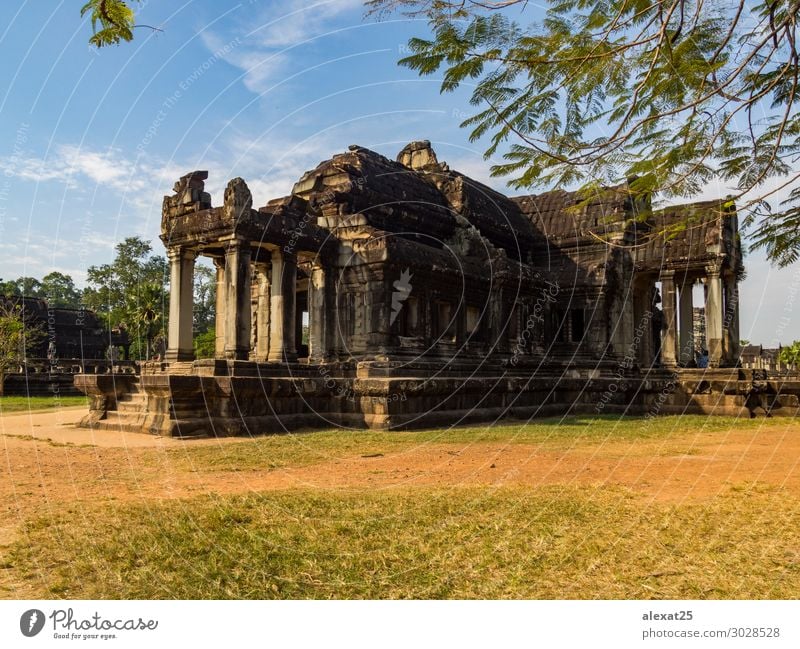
column 722, row 319
column 275, row 313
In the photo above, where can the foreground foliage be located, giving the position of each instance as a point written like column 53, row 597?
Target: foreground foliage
column 676, row 94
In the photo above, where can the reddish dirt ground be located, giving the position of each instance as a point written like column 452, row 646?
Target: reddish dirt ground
column 47, row 461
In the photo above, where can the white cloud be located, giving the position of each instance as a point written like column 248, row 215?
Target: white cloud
column 284, row 24
column 288, row 22
column 74, row 166
column 260, row 67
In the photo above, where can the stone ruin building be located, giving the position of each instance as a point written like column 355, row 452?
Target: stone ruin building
column 70, row 341
column 432, row 299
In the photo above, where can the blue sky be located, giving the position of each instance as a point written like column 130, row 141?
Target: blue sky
column 90, row 140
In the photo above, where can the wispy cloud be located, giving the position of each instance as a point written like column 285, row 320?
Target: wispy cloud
column 262, row 55
column 75, row 166
column 288, row 22
column 270, row 164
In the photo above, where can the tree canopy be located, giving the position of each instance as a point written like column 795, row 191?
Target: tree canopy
column 131, row 291
column 18, row 337
column 673, row 93
column 791, row 354
column 58, row 289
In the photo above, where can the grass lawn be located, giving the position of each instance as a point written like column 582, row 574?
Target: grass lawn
column 595, row 540
column 23, row 404
column 428, row 543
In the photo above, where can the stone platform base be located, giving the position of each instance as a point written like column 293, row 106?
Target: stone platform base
column 232, row 398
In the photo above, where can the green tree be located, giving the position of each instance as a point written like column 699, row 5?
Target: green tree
column 205, row 344
column 18, row 338
column 113, row 21
column 791, row 355
column 59, row 291
column 131, row 290
column 22, row 287
column 204, row 319
column 205, row 298
column 8, row 288
column 674, row 94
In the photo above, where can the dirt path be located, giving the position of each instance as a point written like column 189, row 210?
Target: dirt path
column 46, row 462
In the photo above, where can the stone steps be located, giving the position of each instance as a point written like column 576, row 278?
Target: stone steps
column 116, row 421
column 129, row 415
column 130, row 406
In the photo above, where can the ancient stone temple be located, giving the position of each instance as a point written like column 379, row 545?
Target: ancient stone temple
column 431, row 299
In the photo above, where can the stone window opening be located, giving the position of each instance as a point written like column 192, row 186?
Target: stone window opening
column 558, row 326
column 407, row 321
column 577, row 325
column 445, row 322
column 474, row 328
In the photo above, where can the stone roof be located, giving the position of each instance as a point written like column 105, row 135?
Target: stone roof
column 388, row 195
column 560, row 214
column 693, row 234
column 422, row 196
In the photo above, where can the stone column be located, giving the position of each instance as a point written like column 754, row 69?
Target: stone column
column 731, row 324
column 181, row 300
column 643, row 322
column 237, row 299
column 253, row 312
column 714, row 316
column 461, row 323
column 282, row 346
column 263, row 313
column 317, row 314
column 499, row 323
column 220, row 310
column 686, row 325
column 669, row 339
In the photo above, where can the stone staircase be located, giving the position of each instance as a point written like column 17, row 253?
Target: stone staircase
column 129, row 415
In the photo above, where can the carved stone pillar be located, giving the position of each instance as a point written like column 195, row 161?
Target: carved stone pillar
column 237, row 300
column 686, row 325
column 262, row 313
column 461, row 324
column 181, row 294
column 282, row 346
column 643, row 322
column 669, row 342
column 220, row 310
column 714, row 316
column 499, row 321
column 730, row 330
column 318, row 323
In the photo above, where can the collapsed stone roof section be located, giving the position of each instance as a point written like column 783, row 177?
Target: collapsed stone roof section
column 680, row 235
column 415, row 196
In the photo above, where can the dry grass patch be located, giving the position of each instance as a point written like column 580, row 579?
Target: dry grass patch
column 421, row 543
column 566, row 433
